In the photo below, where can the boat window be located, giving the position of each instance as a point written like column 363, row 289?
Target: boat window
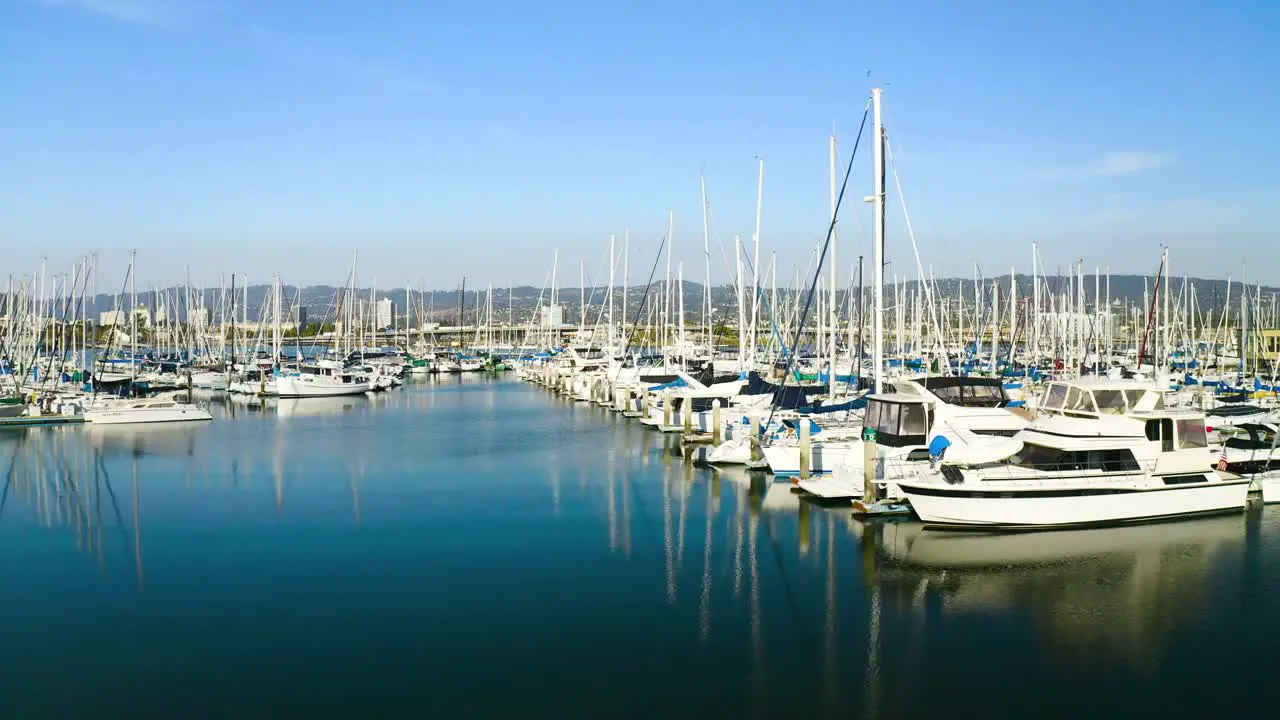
column 1133, row 396
column 888, row 424
column 1114, row 460
column 914, row 420
column 987, row 393
column 1040, row 457
column 1191, row 434
column 872, row 420
column 1080, row 401
column 1162, row 430
column 1110, row 402
column 1055, row 396
column 1159, row 404
column 949, row 395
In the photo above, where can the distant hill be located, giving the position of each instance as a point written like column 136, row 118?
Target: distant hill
column 443, row 305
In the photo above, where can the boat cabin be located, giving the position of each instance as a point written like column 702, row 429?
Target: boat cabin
column 966, row 391
column 1094, row 397
column 899, row 420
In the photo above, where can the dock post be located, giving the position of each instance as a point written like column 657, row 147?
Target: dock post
column 870, row 461
column 686, row 414
column 755, row 438
column 666, row 408
column 805, row 449
column 716, row 435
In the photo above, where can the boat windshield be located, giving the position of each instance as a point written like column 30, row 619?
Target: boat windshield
column 1110, row 402
column 1049, row 459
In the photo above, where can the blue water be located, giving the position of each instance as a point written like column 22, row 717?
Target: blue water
column 481, row 548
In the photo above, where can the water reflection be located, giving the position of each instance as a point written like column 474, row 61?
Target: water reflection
column 1108, row 593
column 491, row 519
column 64, row 483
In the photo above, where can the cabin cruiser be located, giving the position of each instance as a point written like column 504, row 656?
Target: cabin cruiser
column 1250, row 449
column 1102, row 451
column 976, row 404
column 323, row 378
column 121, row 411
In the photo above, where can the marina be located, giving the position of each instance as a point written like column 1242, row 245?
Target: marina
column 402, row 553
column 695, row 360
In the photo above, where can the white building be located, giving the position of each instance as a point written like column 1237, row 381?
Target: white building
column 552, row 315
column 111, row 318
column 384, row 313
column 143, row 316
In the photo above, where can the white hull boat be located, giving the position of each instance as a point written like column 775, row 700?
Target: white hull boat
column 148, row 410
column 1102, row 452
column 1038, row 506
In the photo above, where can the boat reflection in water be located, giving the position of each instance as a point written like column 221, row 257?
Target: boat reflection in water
column 174, row 439
column 1116, row 593
column 319, row 406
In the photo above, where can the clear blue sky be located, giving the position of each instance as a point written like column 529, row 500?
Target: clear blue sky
column 441, row 138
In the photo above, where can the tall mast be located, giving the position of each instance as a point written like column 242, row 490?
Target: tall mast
column 706, row 255
column 737, row 279
column 626, row 269
column 831, row 380
column 133, row 329
column 755, row 264
column 666, row 290
column 612, row 264
column 877, row 346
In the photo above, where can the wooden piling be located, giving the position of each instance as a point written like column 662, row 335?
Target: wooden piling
column 870, row 462
column 805, row 450
column 716, row 434
column 756, row 453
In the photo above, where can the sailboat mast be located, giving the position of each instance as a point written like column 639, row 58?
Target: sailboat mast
column 877, row 345
column 831, row 380
column 755, row 266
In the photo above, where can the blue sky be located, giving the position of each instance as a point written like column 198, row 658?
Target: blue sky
column 441, row 138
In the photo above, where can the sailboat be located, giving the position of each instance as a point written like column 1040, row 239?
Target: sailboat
column 126, row 411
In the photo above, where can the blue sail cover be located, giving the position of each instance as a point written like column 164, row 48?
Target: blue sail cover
column 788, row 397
column 677, row 383
column 818, row 409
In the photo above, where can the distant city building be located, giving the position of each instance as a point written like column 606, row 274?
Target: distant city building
column 384, row 313
column 552, row 316
column 111, row 318
column 143, row 316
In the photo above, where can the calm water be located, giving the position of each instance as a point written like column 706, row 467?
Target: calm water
column 483, row 549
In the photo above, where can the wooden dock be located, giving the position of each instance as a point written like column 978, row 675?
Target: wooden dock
column 40, row 421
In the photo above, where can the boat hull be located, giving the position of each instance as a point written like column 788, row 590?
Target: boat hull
column 138, row 416
column 1048, row 507
column 306, row 386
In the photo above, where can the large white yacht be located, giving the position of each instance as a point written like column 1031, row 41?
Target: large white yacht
column 115, row 411
column 977, row 404
column 324, row 378
column 1101, row 451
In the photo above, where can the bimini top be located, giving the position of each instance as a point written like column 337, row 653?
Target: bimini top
column 967, row 391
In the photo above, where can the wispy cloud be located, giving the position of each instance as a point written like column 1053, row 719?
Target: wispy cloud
column 160, row 13
column 1129, row 162
column 384, row 75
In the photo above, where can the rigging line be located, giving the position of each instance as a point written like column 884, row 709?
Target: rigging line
column 97, row 379
column 644, row 300
column 826, row 245
column 115, row 505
